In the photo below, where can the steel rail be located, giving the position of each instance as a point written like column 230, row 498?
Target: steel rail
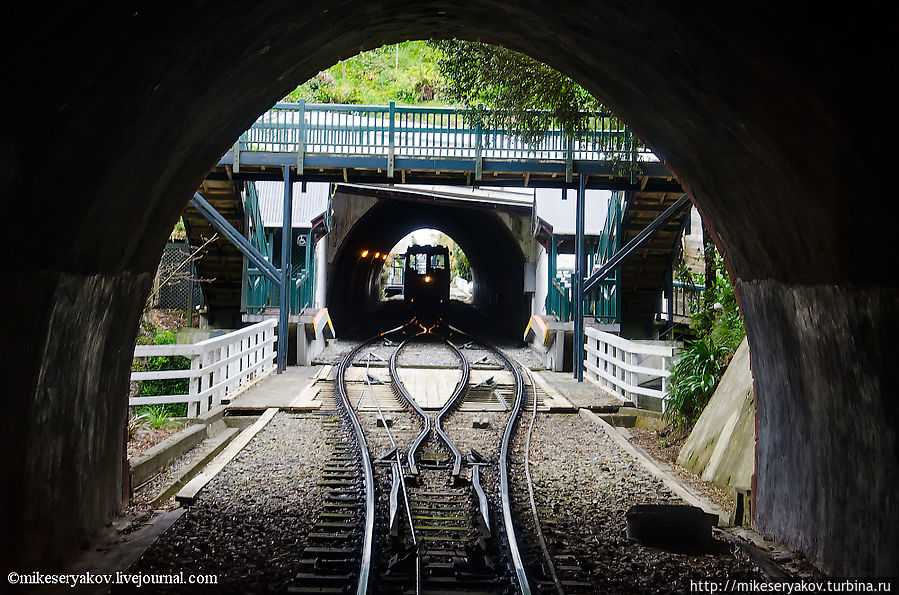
column 504, row 491
column 527, row 472
column 340, row 390
column 401, row 392
column 399, row 483
column 454, row 400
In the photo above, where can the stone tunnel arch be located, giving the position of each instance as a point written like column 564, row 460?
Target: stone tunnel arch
column 495, row 257
column 768, row 117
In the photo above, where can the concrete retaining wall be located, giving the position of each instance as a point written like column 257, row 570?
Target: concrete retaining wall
column 721, row 447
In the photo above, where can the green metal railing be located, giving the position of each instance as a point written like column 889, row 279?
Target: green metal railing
column 605, row 306
column 558, row 301
column 259, row 292
column 610, row 237
column 604, row 302
column 303, row 294
column 254, row 218
column 258, row 289
column 430, row 132
column 685, row 298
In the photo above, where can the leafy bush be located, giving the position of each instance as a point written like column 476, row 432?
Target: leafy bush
column 716, row 313
column 459, row 263
column 716, row 319
column 175, row 386
column 406, row 72
column 693, row 380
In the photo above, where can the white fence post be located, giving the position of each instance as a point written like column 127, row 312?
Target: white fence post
column 625, row 367
column 206, row 380
column 195, row 388
column 218, row 366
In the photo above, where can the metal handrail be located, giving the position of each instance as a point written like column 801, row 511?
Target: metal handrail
column 432, row 132
column 261, row 294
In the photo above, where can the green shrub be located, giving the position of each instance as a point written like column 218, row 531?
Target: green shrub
column 718, row 324
column 158, row 417
column 716, row 313
column 175, row 386
column 693, row 380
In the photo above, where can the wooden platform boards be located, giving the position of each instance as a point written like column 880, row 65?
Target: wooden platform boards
column 312, row 388
column 292, row 391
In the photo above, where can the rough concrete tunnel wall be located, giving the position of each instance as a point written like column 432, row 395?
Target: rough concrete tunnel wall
column 496, row 261
column 828, row 455
column 776, row 121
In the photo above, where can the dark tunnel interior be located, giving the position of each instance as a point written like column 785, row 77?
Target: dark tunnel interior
column 499, row 308
column 771, row 118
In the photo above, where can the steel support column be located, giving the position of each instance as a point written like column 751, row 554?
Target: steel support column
column 579, row 272
column 284, row 293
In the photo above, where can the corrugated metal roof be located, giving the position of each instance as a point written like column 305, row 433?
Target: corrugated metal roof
column 306, row 205
column 561, row 214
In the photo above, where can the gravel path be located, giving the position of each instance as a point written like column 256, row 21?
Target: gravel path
column 249, row 524
column 143, row 497
column 649, row 441
column 583, row 486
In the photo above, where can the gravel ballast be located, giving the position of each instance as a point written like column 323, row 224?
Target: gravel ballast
column 249, row 526
column 584, row 485
column 249, row 523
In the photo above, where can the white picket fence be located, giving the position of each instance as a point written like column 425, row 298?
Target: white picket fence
column 622, row 366
column 218, row 366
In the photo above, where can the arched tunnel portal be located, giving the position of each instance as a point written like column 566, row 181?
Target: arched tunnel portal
column 496, row 260
column 771, row 117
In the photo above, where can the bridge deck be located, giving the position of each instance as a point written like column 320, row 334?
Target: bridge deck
column 452, row 146
column 654, row 176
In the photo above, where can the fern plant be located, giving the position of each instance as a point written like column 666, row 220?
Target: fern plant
column 693, row 379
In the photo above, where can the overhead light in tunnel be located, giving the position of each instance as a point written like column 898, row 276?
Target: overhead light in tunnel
column 377, row 255
column 364, row 253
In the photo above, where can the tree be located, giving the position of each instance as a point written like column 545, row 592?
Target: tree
column 459, row 266
column 405, row 72
column 533, row 93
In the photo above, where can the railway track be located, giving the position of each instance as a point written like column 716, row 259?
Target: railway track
column 330, row 558
column 558, row 571
column 431, row 518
